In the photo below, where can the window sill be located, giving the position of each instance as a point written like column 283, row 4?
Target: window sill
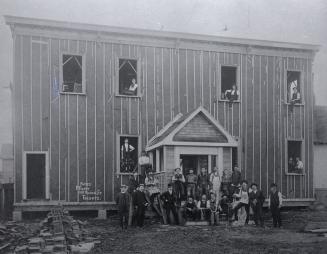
column 125, row 174
column 294, row 174
column 296, row 104
column 72, row 93
column 128, row 96
column 224, row 100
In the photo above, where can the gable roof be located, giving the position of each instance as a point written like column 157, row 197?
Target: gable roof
column 170, row 134
column 320, row 121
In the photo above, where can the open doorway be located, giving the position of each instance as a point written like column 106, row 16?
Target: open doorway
column 35, row 175
column 195, row 162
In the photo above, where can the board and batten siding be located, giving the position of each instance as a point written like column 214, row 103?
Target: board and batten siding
column 80, row 131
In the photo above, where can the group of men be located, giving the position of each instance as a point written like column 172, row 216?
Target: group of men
column 200, row 197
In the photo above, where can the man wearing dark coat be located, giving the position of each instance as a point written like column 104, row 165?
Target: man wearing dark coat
column 256, row 202
column 123, row 202
column 169, row 203
column 140, row 203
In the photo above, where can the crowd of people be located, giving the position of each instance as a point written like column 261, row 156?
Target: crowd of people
column 202, row 197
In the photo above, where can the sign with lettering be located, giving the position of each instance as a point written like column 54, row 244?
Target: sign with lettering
column 86, row 194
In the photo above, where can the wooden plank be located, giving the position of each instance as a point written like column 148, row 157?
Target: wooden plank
column 175, row 80
column 206, row 80
column 270, row 123
column 72, row 136
column 18, row 114
column 150, row 92
column 182, row 80
column 99, row 118
column 166, row 86
column 55, row 124
column 91, row 114
column 257, row 120
column 197, row 78
column 27, row 91
column 158, row 90
column 264, row 183
column 45, row 95
column 249, row 174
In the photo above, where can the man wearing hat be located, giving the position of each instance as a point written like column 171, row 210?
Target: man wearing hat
column 140, row 203
column 256, row 202
column 169, row 199
column 274, row 204
column 235, row 179
column 123, row 202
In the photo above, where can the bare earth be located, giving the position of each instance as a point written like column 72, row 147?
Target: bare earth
column 156, row 238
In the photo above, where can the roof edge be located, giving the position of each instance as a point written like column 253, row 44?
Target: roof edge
column 25, row 21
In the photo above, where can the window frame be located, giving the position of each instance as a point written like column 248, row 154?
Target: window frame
column 24, row 173
column 61, row 73
column 138, row 79
column 302, row 156
column 118, row 136
column 238, row 82
column 301, row 87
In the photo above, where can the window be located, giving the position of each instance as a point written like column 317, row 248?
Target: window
column 128, row 154
column 128, row 77
column 229, row 90
column 72, row 74
column 294, row 152
column 293, row 87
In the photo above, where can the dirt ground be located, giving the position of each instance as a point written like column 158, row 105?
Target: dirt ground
column 158, row 238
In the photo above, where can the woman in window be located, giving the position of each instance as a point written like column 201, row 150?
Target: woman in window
column 133, row 87
column 232, row 94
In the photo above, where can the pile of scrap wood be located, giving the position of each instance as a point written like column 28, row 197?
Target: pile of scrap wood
column 60, row 233
column 13, row 234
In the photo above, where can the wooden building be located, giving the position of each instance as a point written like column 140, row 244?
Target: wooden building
column 81, row 91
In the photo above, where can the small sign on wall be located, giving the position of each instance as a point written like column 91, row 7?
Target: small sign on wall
column 86, row 194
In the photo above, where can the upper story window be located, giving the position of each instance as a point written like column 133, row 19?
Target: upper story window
column 294, row 152
column 293, row 87
column 229, row 89
column 72, row 74
column 128, row 77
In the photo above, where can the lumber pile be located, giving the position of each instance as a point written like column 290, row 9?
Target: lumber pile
column 59, row 233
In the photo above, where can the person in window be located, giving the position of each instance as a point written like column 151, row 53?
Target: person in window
column 232, row 94
column 178, row 181
column 291, row 165
column 127, row 160
column 298, row 165
column 133, row 87
column 296, row 96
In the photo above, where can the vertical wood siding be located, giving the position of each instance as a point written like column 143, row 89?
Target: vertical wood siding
column 80, row 131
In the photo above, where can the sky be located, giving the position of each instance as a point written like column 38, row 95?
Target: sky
column 303, row 21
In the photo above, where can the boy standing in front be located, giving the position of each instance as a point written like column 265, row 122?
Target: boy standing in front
column 122, row 201
column 275, row 203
